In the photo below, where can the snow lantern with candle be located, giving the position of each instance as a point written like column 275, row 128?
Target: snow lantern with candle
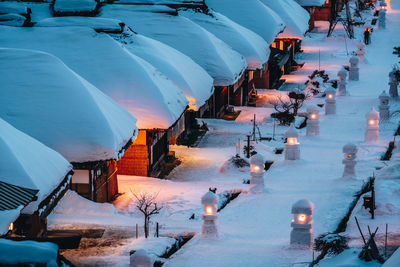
column 372, row 128
column 291, row 147
column 330, row 101
column 209, row 216
column 312, row 121
column 349, row 161
column 256, row 173
column 302, row 224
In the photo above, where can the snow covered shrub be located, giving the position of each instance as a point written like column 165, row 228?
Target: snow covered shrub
column 319, row 82
column 331, row 244
column 287, row 108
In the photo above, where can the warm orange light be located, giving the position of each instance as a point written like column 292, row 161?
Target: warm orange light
column 371, row 122
column 301, row 218
column 256, row 168
column 11, row 227
column 292, row 141
column 330, row 96
column 313, row 116
column 349, row 156
column 209, row 210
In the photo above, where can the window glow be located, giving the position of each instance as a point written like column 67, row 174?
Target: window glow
column 11, row 227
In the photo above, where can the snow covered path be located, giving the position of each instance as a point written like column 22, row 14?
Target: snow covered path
column 253, row 229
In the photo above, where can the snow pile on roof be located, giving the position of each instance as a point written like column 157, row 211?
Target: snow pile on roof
column 311, row 2
column 217, row 58
column 294, row 16
column 12, row 20
column 12, row 7
column 147, row 94
column 45, row 99
column 7, row 217
column 193, row 80
column 74, row 5
column 20, row 252
column 24, row 161
column 251, row 14
column 94, row 23
column 244, row 41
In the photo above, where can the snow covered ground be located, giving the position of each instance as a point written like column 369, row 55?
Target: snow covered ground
column 255, row 229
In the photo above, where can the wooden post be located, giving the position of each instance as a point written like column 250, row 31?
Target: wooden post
column 254, row 128
column 386, row 239
column 137, row 231
column 248, row 147
column 157, row 233
column 359, row 229
column 373, row 198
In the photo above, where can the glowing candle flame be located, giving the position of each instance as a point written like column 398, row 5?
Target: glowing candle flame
column 209, row 210
column 330, row 96
column 301, row 218
column 291, row 141
column 313, row 116
column 371, row 122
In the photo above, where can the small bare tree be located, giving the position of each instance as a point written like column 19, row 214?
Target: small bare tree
column 146, row 204
column 288, row 107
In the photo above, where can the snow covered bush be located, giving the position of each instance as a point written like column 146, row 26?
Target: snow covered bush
column 318, row 82
column 331, row 244
column 287, row 108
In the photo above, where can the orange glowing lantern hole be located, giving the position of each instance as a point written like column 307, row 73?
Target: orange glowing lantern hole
column 371, row 122
column 313, row 116
column 349, row 156
column 292, row 141
column 301, row 218
column 209, row 210
column 330, row 96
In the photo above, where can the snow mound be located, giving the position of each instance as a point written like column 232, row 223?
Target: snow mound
column 102, row 24
column 133, row 83
column 217, row 58
column 12, row 20
column 193, row 80
column 19, row 252
column 311, row 2
column 251, row 14
column 27, row 163
column 47, row 100
column 241, row 39
column 74, row 5
column 294, row 16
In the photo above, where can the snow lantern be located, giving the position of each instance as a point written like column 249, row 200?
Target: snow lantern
column 257, row 173
column 372, row 129
column 209, row 216
column 330, row 101
column 291, row 147
column 342, row 75
column 141, row 259
column 384, row 112
column 354, row 69
column 302, row 224
column 313, row 121
column 360, row 50
column 349, row 161
column 393, row 82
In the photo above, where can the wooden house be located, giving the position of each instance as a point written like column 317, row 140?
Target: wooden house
column 33, row 178
column 288, row 42
column 88, row 128
column 318, row 10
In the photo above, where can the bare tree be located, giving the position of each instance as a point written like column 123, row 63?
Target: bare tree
column 146, row 203
column 287, row 107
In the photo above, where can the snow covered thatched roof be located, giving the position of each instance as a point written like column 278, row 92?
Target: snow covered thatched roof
column 27, row 163
column 148, row 95
column 223, row 63
column 193, row 80
column 74, row 6
column 311, row 2
column 42, row 97
column 293, row 15
column 244, row 41
column 100, row 24
column 251, row 14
